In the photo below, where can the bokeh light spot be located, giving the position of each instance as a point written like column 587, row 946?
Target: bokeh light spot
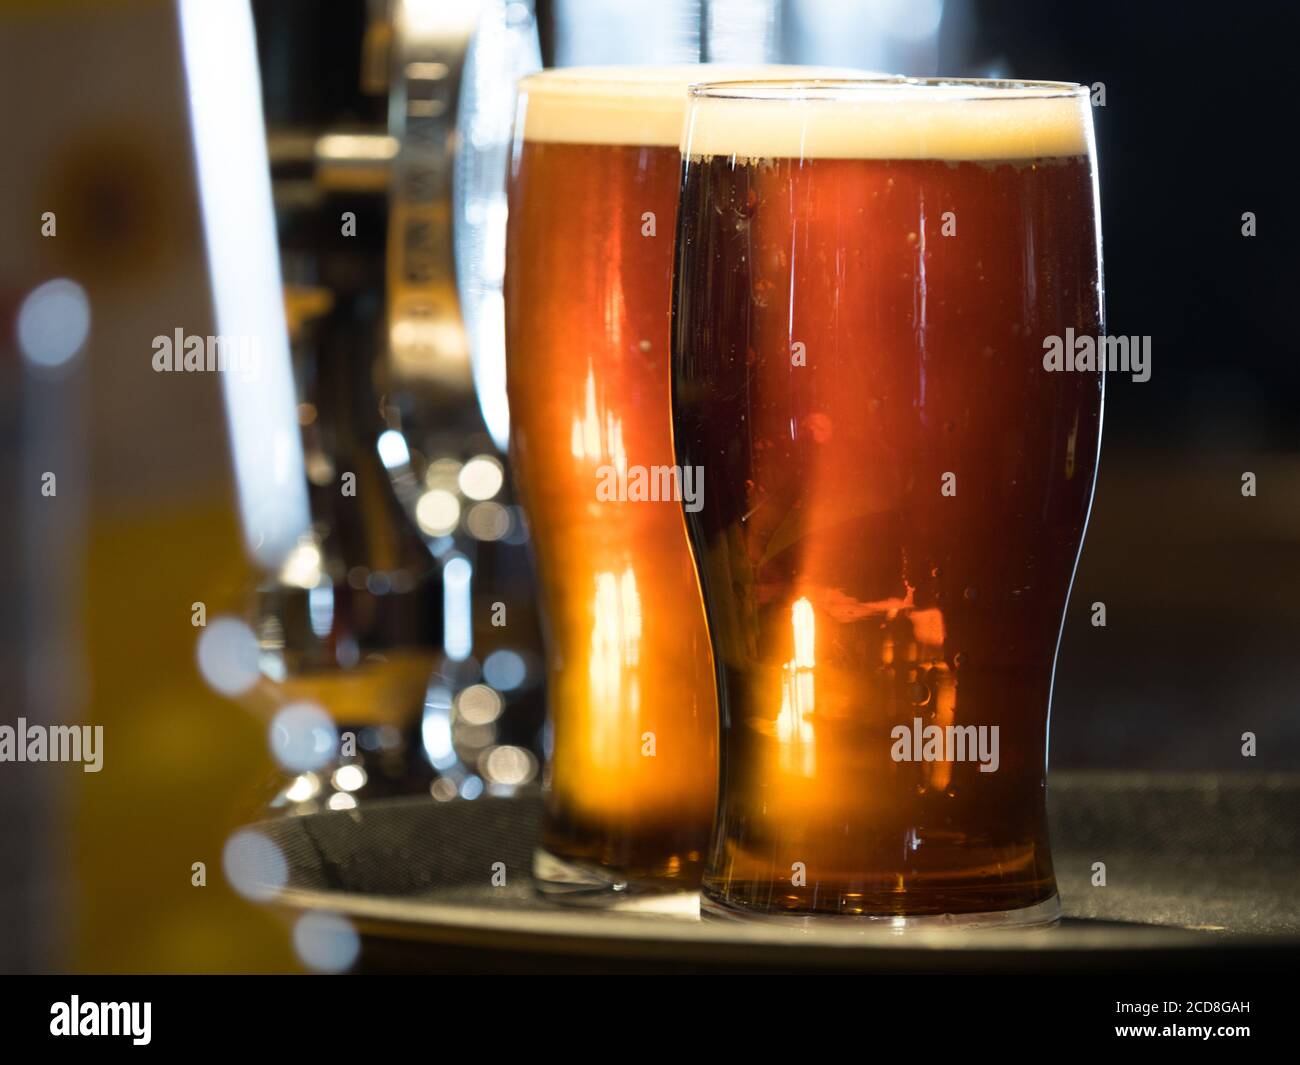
column 254, row 866
column 53, row 323
column 303, row 737
column 228, row 656
column 326, row 942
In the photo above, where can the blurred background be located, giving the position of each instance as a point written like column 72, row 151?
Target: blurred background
column 327, row 179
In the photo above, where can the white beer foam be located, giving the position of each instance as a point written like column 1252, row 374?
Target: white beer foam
column 952, row 121
column 632, row 105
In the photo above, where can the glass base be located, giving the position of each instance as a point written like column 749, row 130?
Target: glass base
column 1040, row 915
column 573, row 883
column 561, row 877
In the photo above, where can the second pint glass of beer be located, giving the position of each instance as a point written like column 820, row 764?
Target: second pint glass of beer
column 896, row 481
column 632, row 759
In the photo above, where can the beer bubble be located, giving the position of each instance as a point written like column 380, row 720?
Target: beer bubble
column 959, row 660
column 970, row 593
column 918, row 694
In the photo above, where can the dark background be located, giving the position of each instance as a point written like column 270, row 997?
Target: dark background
column 1199, row 583
column 1191, row 136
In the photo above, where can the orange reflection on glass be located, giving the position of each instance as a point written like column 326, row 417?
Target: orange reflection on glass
column 794, row 728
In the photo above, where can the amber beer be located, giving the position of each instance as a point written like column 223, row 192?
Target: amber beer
column 632, row 767
column 896, row 488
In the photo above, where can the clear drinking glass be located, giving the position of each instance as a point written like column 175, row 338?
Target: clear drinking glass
column 868, row 279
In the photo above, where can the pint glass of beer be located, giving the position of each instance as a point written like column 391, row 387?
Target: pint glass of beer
column 896, row 481
column 632, row 716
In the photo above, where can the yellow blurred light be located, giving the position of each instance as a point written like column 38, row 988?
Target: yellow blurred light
column 349, row 778
column 481, row 477
column 478, row 705
column 437, row 512
column 488, row 521
column 302, row 566
column 508, row 765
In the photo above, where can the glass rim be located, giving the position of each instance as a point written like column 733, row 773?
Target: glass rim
column 832, row 90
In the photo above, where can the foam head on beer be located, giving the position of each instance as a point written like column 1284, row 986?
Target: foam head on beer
column 899, row 119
